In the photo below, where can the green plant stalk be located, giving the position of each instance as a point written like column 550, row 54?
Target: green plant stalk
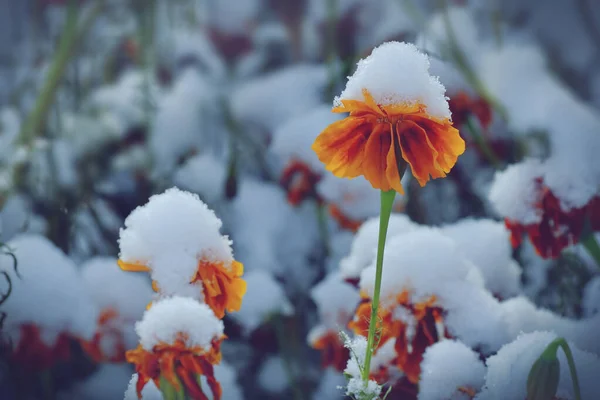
column 487, row 150
column 550, row 352
column 69, row 40
column 565, row 346
column 387, row 202
column 593, row 248
column 323, row 228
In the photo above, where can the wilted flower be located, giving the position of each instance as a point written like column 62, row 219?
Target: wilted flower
column 35, row 354
column 108, row 343
column 398, row 116
column 180, row 341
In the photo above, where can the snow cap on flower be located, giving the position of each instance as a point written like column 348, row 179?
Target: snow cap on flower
column 364, row 245
column 508, row 370
column 265, row 297
column 486, row 243
column 449, row 367
column 293, row 139
column 175, row 236
column 397, row 73
column 39, row 297
column 174, row 318
column 514, row 192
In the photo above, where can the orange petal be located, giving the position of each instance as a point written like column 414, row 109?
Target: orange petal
column 132, row 266
column 392, row 171
column 375, row 158
column 341, row 146
column 418, row 151
column 448, row 143
column 358, row 107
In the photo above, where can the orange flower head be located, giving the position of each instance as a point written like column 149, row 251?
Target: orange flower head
column 180, row 340
column 405, row 121
column 300, row 182
column 177, row 238
column 34, row 354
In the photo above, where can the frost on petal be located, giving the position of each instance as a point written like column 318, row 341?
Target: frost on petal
column 449, row 367
column 397, row 73
column 179, row 317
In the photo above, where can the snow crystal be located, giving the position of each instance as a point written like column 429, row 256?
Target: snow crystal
column 264, row 298
column 203, row 174
column 514, row 192
column 170, row 234
column 293, row 139
column 40, row 298
column 273, row 99
column 487, row 244
column 336, row 300
column 397, row 73
column 447, row 366
column 508, row 370
column 176, row 317
column 356, row 387
column 364, row 246
column 149, row 392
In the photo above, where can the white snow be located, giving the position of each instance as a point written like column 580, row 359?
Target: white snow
column 203, row 174
column 397, row 73
column 149, row 392
column 447, row 366
column 175, row 318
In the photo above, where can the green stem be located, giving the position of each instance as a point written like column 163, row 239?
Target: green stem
column 565, row 346
column 485, row 147
column 387, row 202
column 323, row 228
column 593, row 248
column 69, row 41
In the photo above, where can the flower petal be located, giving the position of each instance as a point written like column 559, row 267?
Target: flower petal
column 418, row 151
column 447, row 142
column 392, row 172
column 375, row 157
column 341, row 146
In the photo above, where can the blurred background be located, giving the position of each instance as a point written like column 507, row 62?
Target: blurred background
column 106, row 102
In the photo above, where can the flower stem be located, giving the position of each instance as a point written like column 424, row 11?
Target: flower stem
column 565, row 346
column 483, row 144
column 387, row 202
column 593, row 248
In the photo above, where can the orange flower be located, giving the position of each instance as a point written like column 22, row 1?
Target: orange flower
column 179, row 366
column 300, row 182
column 333, row 352
column 557, row 229
column 462, row 106
column 377, row 141
column 106, row 329
column 34, row 355
column 410, row 344
column 223, row 286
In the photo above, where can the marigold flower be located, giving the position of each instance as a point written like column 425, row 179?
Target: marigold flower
column 463, row 106
column 398, row 117
column 556, row 229
column 333, row 352
column 300, row 182
column 414, row 327
column 176, row 238
column 34, row 354
column 180, row 340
